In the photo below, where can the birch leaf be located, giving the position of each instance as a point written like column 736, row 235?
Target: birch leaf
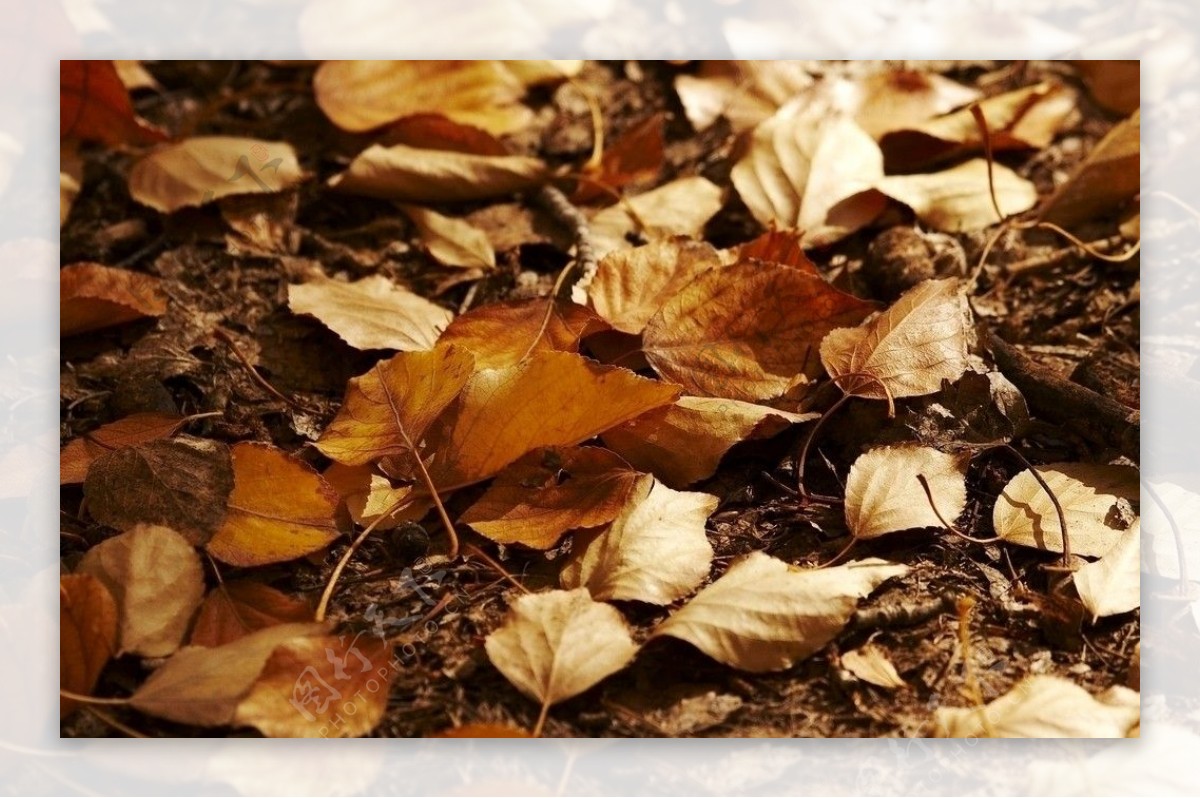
column 372, row 313
column 240, row 607
column 870, row 664
column 500, row 334
column 78, row 455
column 632, row 284
column 679, row 208
column 201, row 169
column 92, row 297
column 883, row 494
column 1045, row 707
column 451, row 241
column 958, row 198
column 1113, row 584
column 87, row 635
column 409, row 174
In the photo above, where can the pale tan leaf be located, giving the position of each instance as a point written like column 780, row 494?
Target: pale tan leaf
column 632, row 284
column 656, row 550
column 894, row 99
column 70, row 180
column 765, row 615
column 87, row 635
column 202, row 686
column 156, row 578
column 1107, row 178
column 681, row 207
column 134, row 76
column 958, row 198
column 451, row 241
column 684, row 442
column 409, row 174
column 372, row 313
column 555, row 645
column 236, row 608
column 388, row 409
column 922, row 339
column 550, row 491
column 205, row 168
column 92, row 296
column 872, row 665
column 1089, row 494
column 78, row 455
column 745, row 92
column 1044, row 707
column 883, row 494
column 501, row 334
column 280, row 509
column 320, row 687
column 538, row 71
column 746, row 331
column 1113, row 584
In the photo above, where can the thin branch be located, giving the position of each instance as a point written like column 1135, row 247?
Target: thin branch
column 253, row 372
column 949, row 526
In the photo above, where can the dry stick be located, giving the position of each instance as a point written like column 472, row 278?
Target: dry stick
column 500, row 569
column 1062, row 517
column 88, row 699
column 323, row 604
column 965, row 606
column 803, row 456
column 1175, row 531
column 949, row 526
column 258, row 378
column 981, row 122
column 116, row 724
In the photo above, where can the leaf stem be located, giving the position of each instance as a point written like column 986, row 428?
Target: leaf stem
column 88, row 699
column 541, row 721
column 323, row 604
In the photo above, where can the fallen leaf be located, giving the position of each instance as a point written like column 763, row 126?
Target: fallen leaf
column 631, row 285
column 871, row 665
column 555, row 645
column 746, row 331
column 894, row 99
column 134, row 76
column 240, row 607
column 774, row 246
column 764, row 614
column 1044, row 707
column 369, row 495
column 976, row 410
column 501, row 334
column 744, row 92
column 372, row 313
column 203, row 686
column 183, row 483
column 812, row 174
column 922, row 339
column 388, row 409
column 482, row 730
column 656, row 550
column 1115, row 85
column 155, row 577
column 280, row 509
column 1113, row 584
column 92, row 297
column 94, row 105
column 550, row 491
column 263, row 224
column 681, row 709
column 450, row 241
column 883, row 494
column 79, row 454
column 1108, row 178
column 70, row 181
column 436, row 132
column 535, row 72
column 87, row 635
column 634, row 157
column 201, row 169
column 958, row 199
column 409, row 174
column 684, row 442
column 511, row 225
column 320, row 687
column 681, row 207
column 1025, row 515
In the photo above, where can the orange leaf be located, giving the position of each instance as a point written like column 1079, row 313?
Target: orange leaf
column 436, row 132
column 78, row 455
column 87, row 635
column 632, row 284
column 635, row 156
column 500, row 334
column 233, row 610
column 774, row 246
column 92, row 297
column 280, row 509
column 94, row 105
column 549, row 491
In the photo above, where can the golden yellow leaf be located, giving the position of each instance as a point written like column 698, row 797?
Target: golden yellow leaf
column 451, row 241
column 1113, row 584
column 958, row 198
column 500, row 334
column 870, row 664
column 87, row 635
column 883, row 494
column 1045, row 707
column 372, row 313
column 681, row 207
column 92, row 297
column 632, row 284
column 78, row 455
column 1107, row 178
column 280, row 509
column 199, row 170
column 234, row 609
column 409, row 174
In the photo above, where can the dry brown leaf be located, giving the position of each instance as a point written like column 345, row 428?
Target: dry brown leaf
column 1109, row 177
column 549, row 399
column 1089, row 495
column 1115, row 85
column 87, row 635
column 632, row 284
column 320, row 687
column 388, row 409
column 70, row 180
column 764, row 615
column 922, row 339
column 240, row 607
column 482, row 730
column 205, row 168
column 409, row 174
column 681, row 207
column 451, row 241
column 372, row 313
column 684, row 442
column 280, row 509
column 262, row 224
column 363, row 95
column 747, row 331
column 958, row 198
column 1027, row 118
column 1045, row 707
column 155, row 577
column 1113, row 584
column 368, row 495
column 550, row 491
column 78, row 455
column 501, row 334
column 883, row 494
column 182, row 483
column 656, row 550
column 555, row 645
column 203, row 686
column 92, row 297
column 774, row 246
column 872, row 665
column 94, row 105
column 811, row 173
column 745, row 92
column 635, row 157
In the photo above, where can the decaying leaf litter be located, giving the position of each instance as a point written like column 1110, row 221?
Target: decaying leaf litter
column 760, row 422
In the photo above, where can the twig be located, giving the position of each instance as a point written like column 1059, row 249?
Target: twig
column 949, row 526
column 1062, row 517
column 500, row 569
column 570, row 217
column 803, row 456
